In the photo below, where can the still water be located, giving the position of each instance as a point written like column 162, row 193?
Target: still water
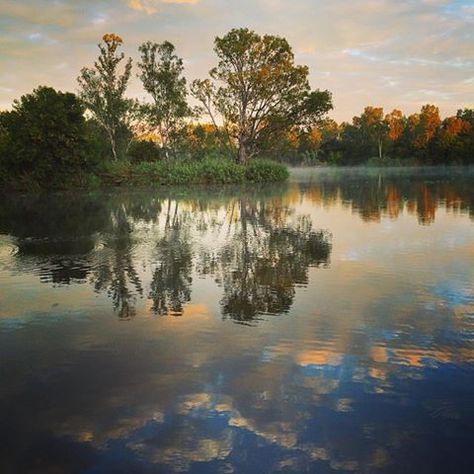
column 323, row 325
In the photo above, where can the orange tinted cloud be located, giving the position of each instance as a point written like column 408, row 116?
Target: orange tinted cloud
column 150, row 7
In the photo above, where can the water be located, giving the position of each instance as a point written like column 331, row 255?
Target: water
column 323, row 325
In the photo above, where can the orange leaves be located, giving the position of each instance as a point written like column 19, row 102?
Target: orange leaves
column 112, row 38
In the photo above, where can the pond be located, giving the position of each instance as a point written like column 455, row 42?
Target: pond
column 322, row 325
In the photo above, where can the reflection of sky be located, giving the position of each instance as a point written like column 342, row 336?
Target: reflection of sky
column 390, row 53
column 368, row 370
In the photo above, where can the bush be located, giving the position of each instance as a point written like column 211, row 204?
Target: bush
column 44, row 137
column 264, row 171
column 386, row 161
column 207, row 171
column 143, row 150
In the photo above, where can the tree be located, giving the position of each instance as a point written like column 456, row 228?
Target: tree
column 372, row 127
column 257, row 90
column 44, row 135
column 424, row 127
column 102, row 89
column 161, row 75
column 395, row 122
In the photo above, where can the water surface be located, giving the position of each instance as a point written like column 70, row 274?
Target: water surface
column 324, row 325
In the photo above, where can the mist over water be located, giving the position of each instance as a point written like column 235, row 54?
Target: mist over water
column 322, row 325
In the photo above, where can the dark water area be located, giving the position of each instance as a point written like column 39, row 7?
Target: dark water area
column 322, row 325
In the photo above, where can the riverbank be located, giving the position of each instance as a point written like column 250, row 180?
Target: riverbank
column 158, row 173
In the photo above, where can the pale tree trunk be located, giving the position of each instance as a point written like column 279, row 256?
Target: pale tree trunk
column 380, row 149
column 112, row 144
column 243, row 156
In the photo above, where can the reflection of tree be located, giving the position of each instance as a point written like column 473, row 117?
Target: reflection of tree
column 374, row 195
column 262, row 262
column 170, row 285
column 116, row 271
column 54, row 233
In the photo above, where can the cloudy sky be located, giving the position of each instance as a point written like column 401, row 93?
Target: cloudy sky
column 390, row 53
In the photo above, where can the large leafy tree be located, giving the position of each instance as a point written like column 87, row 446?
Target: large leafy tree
column 161, row 72
column 256, row 90
column 102, row 88
column 44, row 135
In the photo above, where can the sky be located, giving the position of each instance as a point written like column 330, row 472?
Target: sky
column 388, row 53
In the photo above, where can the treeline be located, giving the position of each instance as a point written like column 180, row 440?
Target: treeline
column 254, row 93
column 255, row 103
column 385, row 139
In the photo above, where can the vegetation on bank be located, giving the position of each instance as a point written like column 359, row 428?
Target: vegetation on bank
column 258, row 102
column 206, row 171
column 99, row 136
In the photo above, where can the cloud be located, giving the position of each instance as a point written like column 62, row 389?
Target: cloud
column 378, row 52
column 150, row 7
column 59, row 14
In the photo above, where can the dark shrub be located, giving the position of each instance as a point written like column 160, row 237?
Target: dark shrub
column 44, row 136
column 143, row 150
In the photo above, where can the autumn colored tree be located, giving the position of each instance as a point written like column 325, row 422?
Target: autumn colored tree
column 102, row 89
column 451, row 139
column 257, row 90
column 425, row 126
column 395, row 122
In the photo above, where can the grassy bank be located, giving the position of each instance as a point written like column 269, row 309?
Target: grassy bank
column 209, row 171
column 159, row 173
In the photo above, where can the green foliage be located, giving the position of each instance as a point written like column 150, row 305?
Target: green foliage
column 44, row 137
column 161, row 73
column 260, row 104
column 386, row 161
column 257, row 90
column 102, row 89
column 262, row 171
column 143, row 150
column 207, row 171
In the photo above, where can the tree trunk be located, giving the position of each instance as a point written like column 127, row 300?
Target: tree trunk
column 113, row 145
column 242, row 153
column 380, row 149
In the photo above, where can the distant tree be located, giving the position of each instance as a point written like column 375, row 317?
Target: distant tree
column 44, row 135
column 162, row 77
column 424, row 127
column 451, row 139
column 201, row 139
column 257, row 90
column 372, row 127
column 102, row 88
column 395, row 122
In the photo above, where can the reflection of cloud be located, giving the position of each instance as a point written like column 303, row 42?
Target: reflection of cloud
column 194, row 402
column 189, row 449
column 318, row 357
column 280, row 433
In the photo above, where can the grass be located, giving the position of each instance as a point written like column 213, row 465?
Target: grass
column 125, row 173
column 207, row 171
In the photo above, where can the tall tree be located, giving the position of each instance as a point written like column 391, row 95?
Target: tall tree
column 162, row 77
column 257, row 90
column 102, row 88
